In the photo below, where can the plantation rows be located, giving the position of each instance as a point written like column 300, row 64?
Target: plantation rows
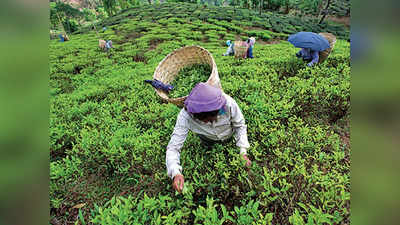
column 109, row 130
column 235, row 20
column 340, row 8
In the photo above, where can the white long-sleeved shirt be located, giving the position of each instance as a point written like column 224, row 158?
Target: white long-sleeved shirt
column 229, row 123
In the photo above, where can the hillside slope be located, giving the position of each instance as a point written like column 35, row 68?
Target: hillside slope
column 235, row 20
column 109, row 130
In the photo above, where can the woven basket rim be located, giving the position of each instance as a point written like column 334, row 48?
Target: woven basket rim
column 212, row 78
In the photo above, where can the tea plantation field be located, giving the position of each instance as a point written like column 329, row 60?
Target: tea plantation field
column 109, row 130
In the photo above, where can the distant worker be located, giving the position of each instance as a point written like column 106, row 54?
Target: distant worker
column 63, row 37
column 251, row 41
column 104, row 29
column 109, row 45
column 230, row 50
column 105, row 45
column 214, row 117
column 315, row 48
column 66, row 38
column 308, row 55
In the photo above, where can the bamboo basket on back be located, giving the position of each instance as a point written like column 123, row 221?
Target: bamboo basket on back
column 168, row 69
column 240, row 48
column 332, row 40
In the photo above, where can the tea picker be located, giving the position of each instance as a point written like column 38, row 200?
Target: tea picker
column 214, row 117
column 61, row 37
column 207, row 111
column 105, row 45
column 251, row 41
column 315, row 48
column 109, row 45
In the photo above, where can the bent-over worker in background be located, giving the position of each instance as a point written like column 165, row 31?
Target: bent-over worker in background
column 308, row 55
column 105, row 45
column 251, row 41
column 312, row 45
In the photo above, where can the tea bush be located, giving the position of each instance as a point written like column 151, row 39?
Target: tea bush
column 336, row 7
column 187, row 78
column 234, row 20
column 109, row 130
column 259, row 34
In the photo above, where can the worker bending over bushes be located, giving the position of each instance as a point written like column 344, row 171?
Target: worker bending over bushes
column 214, row 117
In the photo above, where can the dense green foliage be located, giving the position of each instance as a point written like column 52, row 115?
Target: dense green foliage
column 340, row 7
column 314, row 7
column 99, row 9
column 65, row 14
column 218, row 22
column 187, row 78
column 109, row 130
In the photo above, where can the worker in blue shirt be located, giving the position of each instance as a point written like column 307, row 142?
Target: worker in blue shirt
column 308, row 55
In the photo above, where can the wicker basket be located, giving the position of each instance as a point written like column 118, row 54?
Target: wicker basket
column 240, row 48
column 170, row 66
column 332, row 40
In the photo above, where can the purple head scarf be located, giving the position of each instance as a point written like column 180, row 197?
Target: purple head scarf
column 204, row 98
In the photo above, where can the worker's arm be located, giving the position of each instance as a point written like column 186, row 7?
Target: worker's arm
column 229, row 50
column 240, row 131
column 315, row 58
column 299, row 53
column 175, row 145
column 240, row 128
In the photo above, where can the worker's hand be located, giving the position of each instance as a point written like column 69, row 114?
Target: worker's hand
column 310, row 64
column 177, row 184
column 248, row 161
column 298, row 54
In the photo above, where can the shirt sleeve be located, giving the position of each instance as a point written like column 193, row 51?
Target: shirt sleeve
column 299, row 53
column 303, row 52
column 239, row 127
column 175, row 145
column 315, row 57
column 229, row 50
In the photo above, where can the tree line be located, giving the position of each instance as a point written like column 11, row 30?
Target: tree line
column 91, row 10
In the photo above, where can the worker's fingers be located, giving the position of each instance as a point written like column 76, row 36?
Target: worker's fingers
column 175, row 185
column 181, row 185
column 248, row 163
column 178, row 183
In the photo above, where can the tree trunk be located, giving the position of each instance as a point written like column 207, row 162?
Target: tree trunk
column 287, row 9
column 261, row 5
column 325, row 12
